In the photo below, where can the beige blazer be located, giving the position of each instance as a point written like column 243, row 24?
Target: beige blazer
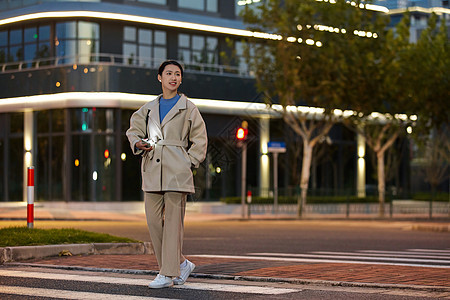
column 179, row 143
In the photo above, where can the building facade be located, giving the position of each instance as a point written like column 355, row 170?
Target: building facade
column 73, row 72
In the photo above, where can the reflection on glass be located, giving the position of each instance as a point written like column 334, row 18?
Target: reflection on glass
column 15, row 179
column 129, row 34
column 15, row 37
column 3, row 38
column 44, row 33
column 66, row 30
column 129, row 53
column 145, row 36
column 160, row 37
column 30, row 35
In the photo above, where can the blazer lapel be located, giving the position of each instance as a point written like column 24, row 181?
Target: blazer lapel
column 180, row 105
column 153, row 115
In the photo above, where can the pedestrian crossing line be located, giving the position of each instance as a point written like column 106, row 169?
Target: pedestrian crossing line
column 249, row 289
column 412, row 251
column 65, row 294
column 446, row 251
column 318, row 260
column 394, row 254
column 399, row 259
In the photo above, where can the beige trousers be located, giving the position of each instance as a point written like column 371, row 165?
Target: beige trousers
column 165, row 220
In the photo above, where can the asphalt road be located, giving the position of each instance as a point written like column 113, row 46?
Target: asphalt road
column 240, row 237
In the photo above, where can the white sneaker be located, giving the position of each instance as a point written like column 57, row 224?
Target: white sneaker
column 184, row 273
column 160, row 281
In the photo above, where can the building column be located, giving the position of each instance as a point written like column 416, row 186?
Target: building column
column 361, row 166
column 28, row 156
column 264, row 166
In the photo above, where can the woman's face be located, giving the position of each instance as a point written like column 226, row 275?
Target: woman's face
column 170, row 78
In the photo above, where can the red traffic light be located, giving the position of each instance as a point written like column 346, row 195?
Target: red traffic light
column 241, row 134
column 106, row 153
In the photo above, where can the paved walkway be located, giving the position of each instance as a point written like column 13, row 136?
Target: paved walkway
column 306, row 273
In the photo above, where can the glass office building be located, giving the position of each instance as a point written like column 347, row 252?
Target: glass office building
column 73, row 72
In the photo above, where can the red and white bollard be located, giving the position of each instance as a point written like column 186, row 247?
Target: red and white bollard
column 30, row 197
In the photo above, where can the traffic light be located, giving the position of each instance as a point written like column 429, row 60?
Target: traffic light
column 241, row 133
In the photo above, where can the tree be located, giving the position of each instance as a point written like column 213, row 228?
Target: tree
column 384, row 109
column 429, row 85
column 327, row 49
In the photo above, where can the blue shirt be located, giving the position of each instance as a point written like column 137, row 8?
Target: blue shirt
column 165, row 105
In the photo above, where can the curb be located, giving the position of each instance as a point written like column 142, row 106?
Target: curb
column 426, row 288
column 11, row 254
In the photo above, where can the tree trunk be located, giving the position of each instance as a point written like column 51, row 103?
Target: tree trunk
column 381, row 182
column 306, row 167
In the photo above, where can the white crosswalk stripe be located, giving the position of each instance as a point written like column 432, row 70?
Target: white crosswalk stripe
column 249, row 289
column 64, row 294
column 412, row 257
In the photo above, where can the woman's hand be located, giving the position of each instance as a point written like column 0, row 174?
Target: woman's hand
column 143, row 146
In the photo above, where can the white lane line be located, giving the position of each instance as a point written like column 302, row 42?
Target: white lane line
column 446, row 251
column 237, row 288
column 311, row 260
column 65, row 294
column 411, row 251
column 396, row 254
column 354, row 257
column 144, row 282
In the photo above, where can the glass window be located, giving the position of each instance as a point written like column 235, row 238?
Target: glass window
column 129, row 53
column 129, row 34
column 211, row 5
column 30, row 35
column 15, row 37
column 58, row 120
column 3, row 54
column 3, row 38
column 16, row 122
column 88, row 30
column 145, row 36
column 184, row 40
column 81, row 165
column 198, row 42
column 211, row 43
column 2, row 169
column 197, row 48
column 16, row 53
column 139, row 46
column 160, row 37
column 66, row 30
column 66, row 48
column 44, row 33
column 192, row 4
column 43, row 121
column 15, row 178
column 162, row 2
column 29, row 53
column 43, row 50
column 159, row 54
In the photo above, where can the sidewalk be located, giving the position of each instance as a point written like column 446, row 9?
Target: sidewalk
column 330, row 274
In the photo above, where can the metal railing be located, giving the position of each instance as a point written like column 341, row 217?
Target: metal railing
column 116, row 59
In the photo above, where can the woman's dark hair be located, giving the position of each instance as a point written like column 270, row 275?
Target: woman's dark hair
column 169, row 62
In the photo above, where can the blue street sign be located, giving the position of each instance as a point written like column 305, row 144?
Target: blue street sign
column 278, row 147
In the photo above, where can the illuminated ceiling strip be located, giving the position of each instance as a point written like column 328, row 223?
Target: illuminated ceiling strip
column 134, row 101
column 140, row 19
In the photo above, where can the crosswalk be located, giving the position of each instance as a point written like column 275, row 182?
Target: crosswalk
column 69, row 294
column 409, row 257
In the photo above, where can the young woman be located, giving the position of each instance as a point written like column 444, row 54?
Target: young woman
column 170, row 134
